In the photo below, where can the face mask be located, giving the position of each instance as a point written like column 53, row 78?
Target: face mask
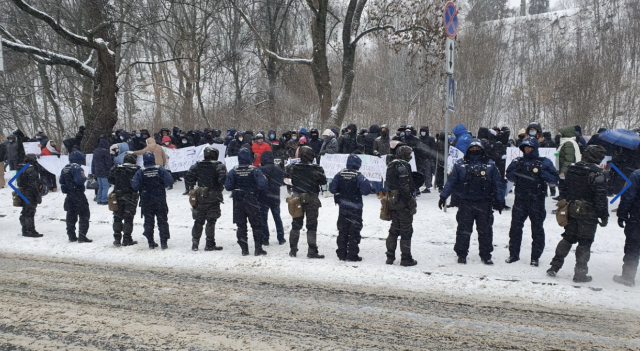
column 365, row 134
column 167, row 143
column 294, row 138
column 475, row 152
column 402, row 134
column 272, row 136
column 423, row 133
column 240, row 139
column 121, row 137
column 533, row 133
column 259, row 142
column 138, row 135
column 184, row 141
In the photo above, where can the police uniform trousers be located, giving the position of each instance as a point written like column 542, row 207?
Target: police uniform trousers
column 349, row 227
column 77, row 208
column 28, row 213
column 208, row 210
column 247, row 208
column 401, row 226
column 583, row 232
column 156, row 209
column 481, row 213
column 123, row 217
column 631, row 250
column 533, row 208
column 310, row 210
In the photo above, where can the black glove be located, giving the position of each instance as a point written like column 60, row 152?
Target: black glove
column 442, row 202
column 603, row 222
column 621, row 222
column 498, row 206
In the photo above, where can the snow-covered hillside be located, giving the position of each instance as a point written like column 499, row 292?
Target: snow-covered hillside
column 434, row 236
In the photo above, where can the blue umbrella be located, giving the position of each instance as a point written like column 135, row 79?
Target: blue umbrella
column 621, row 137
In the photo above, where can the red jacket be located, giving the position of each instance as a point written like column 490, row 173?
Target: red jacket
column 47, row 152
column 258, row 149
column 165, row 139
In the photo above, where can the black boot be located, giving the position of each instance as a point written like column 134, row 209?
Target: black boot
column 553, row 190
column 294, row 236
column 127, row 240
column 259, row 251
column 211, row 245
column 82, row 238
column 392, row 244
column 406, row 259
column 117, row 239
column 194, row 244
column 163, row 244
column 72, row 237
column 313, row 247
column 580, row 275
column 628, row 277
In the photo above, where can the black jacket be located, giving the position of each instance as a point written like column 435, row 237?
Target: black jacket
column 102, row 160
column 275, row 177
column 374, row 132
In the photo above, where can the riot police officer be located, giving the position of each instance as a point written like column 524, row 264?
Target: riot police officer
column 585, row 188
column 348, row 187
column 530, row 173
column 306, row 180
column 244, row 181
column 151, row 182
column 29, row 186
column 476, row 181
column 402, row 206
column 629, row 219
column 121, row 176
column 72, row 181
column 210, row 175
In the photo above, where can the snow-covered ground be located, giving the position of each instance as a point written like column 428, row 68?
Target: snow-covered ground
column 433, row 240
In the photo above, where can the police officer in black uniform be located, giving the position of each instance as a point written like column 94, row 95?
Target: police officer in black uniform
column 476, row 181
column 121, row 176
column 306, row 180
column 72, row 181
column 530, row 173
column 348, row 187
column 402, row 206
column 151, row 182
column 244, row 181
column 585, row 187
column 629, row 219
column 29, row 186
column 210, row 175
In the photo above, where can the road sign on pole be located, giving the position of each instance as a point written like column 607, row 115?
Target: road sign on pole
column 451, row 94
column 451, row 19
column 450, row 57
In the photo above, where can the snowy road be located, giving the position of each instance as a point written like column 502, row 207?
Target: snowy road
column 54, row 304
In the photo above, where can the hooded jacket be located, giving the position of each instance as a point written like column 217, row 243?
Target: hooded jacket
column 548, row 141
column 166, row 139
column 463, row 139
column 348, row 143
column 234, row 147
column 349, row 185
column 49, row 150
column 314, row 141
column 258, row 149
column 72, row 177
column 245, row 191
column 329, row 143
column 123, row 148
column 102, row 161
column 531, row 173
column 275, row 178
column 374, row 132
column 156, row 150
column 381, row 145
column 568, row 151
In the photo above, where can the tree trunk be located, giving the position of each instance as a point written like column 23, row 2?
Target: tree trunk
column 104, row 112
column 320, row 65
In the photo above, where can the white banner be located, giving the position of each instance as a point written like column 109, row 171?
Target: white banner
column 180, row 160
column 514, row 152
column 373, row 167
column 231, row 162
column 454, row 156
column 55, row 164
column 32, row 148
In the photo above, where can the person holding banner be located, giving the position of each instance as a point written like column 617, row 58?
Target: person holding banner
column 476, row 181
column 530, row 173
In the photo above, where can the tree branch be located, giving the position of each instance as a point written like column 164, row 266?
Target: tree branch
column 51, row 58
column 129, row 66
column 388, row 26
column 62, row 31
column 263, row 45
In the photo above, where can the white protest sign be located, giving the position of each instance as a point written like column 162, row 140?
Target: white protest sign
column 32, row 148
column 231, row 162
column 454, row 156
column 514, row 152
column 180, row 160
column 373, row 167
column 55, row 164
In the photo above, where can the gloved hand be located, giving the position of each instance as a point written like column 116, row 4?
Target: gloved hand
column 603, row 222
column 498, row 206
column 442, row 202
column 621, row 222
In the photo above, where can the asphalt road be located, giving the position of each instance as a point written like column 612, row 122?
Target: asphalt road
column 48, row 304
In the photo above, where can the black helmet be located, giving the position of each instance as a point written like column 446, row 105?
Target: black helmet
column 306, row 154
column 211, row 154
column 404, row 153
column 130, row 157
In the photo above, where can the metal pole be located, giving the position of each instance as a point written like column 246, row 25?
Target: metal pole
column 446, row 135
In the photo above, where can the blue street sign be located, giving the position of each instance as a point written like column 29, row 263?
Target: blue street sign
column 625, row 187
column 451, row 19
column 14, row 188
